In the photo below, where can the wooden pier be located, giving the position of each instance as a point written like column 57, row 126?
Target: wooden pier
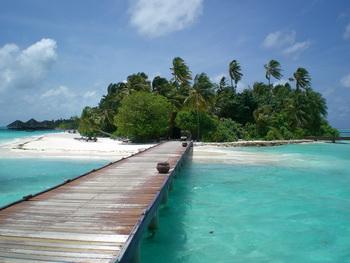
column 326, row 138
column 98, row 217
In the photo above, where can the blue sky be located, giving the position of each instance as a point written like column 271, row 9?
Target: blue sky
column 58, row 56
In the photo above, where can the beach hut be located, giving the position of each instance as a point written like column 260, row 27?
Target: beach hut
column 32, row 124
column 47, row 125
column 16, row 125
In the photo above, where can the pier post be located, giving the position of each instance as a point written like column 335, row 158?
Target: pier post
column 136, row 257
column 171, row 184
column 165, row 196
column 153, row 225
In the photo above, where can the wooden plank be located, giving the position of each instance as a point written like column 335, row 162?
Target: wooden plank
column 76, row 236
column 90, row 218
column 57, row 242
column 81, row 258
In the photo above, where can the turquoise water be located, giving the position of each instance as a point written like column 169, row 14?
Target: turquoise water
column 9, row 135
column 23, row 176
column 275, row 204
column 295, row 209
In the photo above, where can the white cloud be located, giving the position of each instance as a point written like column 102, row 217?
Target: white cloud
column 217, row 78
column 285, row 42
column 61, row 100
column 345, row 81
column 346, row 34
column 158, row 17
column 25, row 69
column 279, row 39
column 89, row 94
column 241, row 86
column 297, row 48
column 61, row 91
column 328, row 92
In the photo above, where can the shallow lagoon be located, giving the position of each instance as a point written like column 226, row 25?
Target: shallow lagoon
column 23, row 176
column 273, row 204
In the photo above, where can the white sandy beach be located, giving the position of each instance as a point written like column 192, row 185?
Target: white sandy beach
column 235, row 153
column 67, row 145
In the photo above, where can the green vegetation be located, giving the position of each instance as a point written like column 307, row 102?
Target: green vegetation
column 67, row 124
column 143, row 116
column 147, row 110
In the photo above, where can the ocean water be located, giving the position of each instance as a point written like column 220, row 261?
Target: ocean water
column 23, row 176
column 271, row 204
column 285, row 204
column 9, row 135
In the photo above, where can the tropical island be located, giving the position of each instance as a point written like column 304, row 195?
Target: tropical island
column 146, row 110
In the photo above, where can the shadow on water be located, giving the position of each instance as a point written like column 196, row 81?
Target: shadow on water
column 163, row 244
column 220, row 212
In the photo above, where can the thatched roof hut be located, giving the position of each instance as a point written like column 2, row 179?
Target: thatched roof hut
column 16, row 125
column 32, row 124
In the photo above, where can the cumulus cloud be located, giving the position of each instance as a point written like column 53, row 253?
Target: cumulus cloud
column 345, row 81
column 279, row 39
column 346, row 34
column 89, row 94
column 297, row 47
column 60, row 102
column 241, row 86
column 26, row 68
column 285, row 42
column 61, row 91
column 158, row 17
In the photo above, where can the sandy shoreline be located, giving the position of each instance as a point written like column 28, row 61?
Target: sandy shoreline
column 234, row 152
column 67, row 145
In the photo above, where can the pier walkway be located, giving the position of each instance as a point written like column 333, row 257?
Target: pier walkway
column 99, row 217
column 325, row 138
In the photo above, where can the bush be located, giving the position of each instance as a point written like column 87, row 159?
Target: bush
column 327, row 130
column 226, row 130
column 188, row 120
column 143, row 116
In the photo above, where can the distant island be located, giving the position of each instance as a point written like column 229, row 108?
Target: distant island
column 145, row 110
column 33, row 125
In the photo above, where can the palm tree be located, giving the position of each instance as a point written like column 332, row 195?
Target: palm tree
column 138, row 82
column 273, row 68
column 201, row 95
column 261, row 89
column 234, row 70
column 296, row 110
column 302, row 79
column 316, row 108
column 262, row 116
column 181, row 71
column 222, row 85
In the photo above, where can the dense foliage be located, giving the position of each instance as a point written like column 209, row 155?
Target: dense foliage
column 143, row 116
column 67, row 124
column 146, row 110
